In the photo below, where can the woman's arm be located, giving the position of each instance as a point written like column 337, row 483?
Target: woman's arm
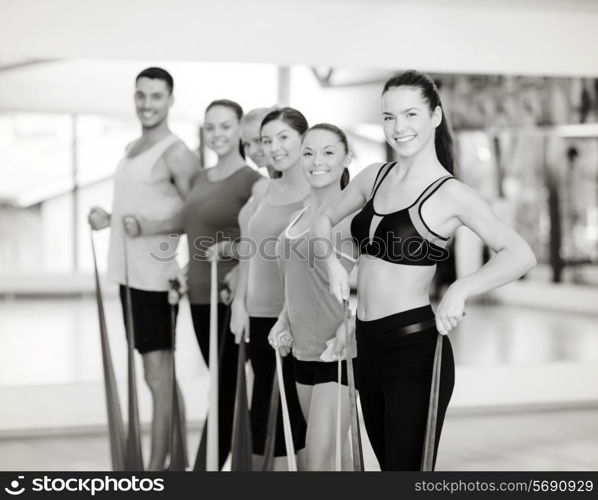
column 241, row 250
column 512, row 259
column 348, row 201
column 239, row 323
column 346, row 249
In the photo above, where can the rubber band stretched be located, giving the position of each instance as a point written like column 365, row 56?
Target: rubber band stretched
column 241, row 445
column 116, row 429
column 338, row 460
column 356, row 445
column 430, row 436
column 178, row 452
column 133, row 454
column 200, row 457
column 270, row 441
column 286, row 420
column 212, row 432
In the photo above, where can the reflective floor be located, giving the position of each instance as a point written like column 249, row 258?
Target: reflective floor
column 559, row 440
column 56, row 341
column 511, row 362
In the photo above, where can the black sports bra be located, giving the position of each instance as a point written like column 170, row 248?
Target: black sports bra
column 400, row 237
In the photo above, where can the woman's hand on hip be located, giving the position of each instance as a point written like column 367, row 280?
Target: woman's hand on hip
column 451, row 309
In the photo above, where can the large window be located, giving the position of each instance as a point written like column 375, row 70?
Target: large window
column 54, row 168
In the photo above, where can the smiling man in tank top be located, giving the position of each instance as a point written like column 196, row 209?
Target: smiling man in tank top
column 150, row 184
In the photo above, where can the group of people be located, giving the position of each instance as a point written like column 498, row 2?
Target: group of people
column 285, row 246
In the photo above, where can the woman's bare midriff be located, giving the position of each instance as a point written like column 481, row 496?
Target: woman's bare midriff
column 384, row 288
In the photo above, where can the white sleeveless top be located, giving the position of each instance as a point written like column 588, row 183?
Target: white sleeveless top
column 151, row 259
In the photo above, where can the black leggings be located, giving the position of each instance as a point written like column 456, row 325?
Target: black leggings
column 263, row 362
column 227, row 380
column 395, row 374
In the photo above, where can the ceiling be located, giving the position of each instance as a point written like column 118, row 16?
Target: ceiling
column 69, row 56
column 547, row 37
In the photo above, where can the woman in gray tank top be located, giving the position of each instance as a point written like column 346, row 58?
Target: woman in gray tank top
column 311, row 317
column 259, row 295
column 210, row 215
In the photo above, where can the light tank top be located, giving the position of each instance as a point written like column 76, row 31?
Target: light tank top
column 151, row 258
column 265, row 295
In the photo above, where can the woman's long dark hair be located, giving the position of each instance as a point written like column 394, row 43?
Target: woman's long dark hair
column 346, row 176
column 237, row 109
column 443, row 139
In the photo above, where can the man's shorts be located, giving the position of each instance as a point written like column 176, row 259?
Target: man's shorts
column 151, row 319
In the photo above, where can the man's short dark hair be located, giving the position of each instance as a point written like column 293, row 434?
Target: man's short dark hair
column 156, row 73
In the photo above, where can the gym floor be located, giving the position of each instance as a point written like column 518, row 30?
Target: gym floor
column 525, row 397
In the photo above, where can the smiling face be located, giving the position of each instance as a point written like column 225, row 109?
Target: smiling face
column 282, row 144
column 221, row 130
column 152, row 101
column 252, row 144
column 409, row 124
column 324, row 158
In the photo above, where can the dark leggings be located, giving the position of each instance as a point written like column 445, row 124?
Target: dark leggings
column 263, row 363
column 395, row 374
column 227, row 380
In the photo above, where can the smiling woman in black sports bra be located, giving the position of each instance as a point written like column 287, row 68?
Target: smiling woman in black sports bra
column 407, row 211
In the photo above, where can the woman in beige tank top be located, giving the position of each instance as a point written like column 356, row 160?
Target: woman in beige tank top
column 258, row 298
